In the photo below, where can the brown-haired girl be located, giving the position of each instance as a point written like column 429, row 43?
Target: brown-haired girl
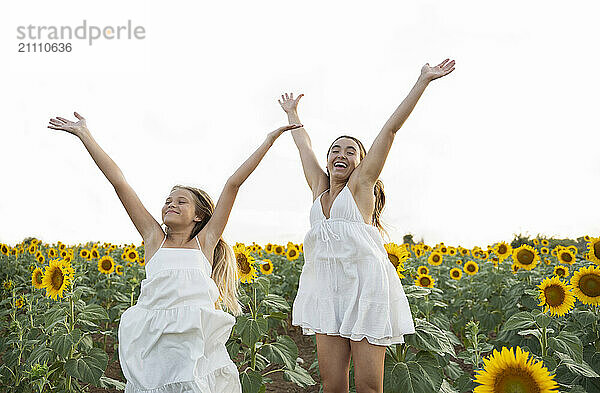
column 173, row 339
column 349, row 293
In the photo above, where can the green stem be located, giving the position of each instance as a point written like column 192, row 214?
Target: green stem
column 544, row 342
column 273, row 371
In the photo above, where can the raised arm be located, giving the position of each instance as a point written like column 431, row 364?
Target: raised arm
column 371, row 166
column 216, row 225
column 315, row 176
column 143, row 221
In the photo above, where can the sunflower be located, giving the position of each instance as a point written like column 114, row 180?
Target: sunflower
column 452, row 251
column 514, row 267
column 561, row 271
column 119, row 270
column 471, row 268
column 396, row 254
column 245, row 264
column 52, row 253
column 573, row 249
column 585, row 284
column 32, row 249
column 510, row 371
column 106, row 264
column 545, row 250
column 266, row 267
column 4, row 249
column 545, row 242
column 422, row 270
column 435, row 258
column 455, row 273
column 36, row 278
column 94, row 253
column 131, row 255
column 7, row 284
column 399, row 269
column 84, row 253
column 269, row 248
column 424, row 280
column 40, row 258
column 63, row 253
column 56, row 278
column 526, row 257
column 19, row 302
column 464, row 252
column 292, row 253
column 556, row 296
column 565, row 256
column 536, row 242
column 141, row 261
column 587, row 238
column 278, row 249
column 593, row 253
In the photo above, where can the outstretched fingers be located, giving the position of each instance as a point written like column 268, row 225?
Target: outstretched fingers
column 77, row 115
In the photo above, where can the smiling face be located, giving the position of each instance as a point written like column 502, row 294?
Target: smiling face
column 179, row 208
column 343, row 157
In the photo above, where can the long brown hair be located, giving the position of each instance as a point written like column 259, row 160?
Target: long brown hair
column 224, row 265
column 377, row 188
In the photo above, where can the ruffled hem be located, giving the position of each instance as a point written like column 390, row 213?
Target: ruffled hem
column 222, row 380
column 383, row 341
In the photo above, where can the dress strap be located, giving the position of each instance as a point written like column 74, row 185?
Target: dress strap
column 163, row 242
column 198, row 241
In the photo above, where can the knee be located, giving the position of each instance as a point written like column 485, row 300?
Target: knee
column 368, row 386
column 334, row 385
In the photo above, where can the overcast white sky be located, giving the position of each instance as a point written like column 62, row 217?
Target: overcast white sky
column 507, row 143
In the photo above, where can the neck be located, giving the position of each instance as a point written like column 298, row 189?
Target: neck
column 179, row 237
column 336, row 186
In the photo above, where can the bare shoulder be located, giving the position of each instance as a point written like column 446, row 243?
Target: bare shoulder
column 363, row 197
column 206, row 245
column 152, row 243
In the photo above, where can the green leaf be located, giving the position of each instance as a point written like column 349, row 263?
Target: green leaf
column 520, row 320
column 251, row 381
column 430, row 338
column 447, row 388
column 263, row 283
column 299, row 376
column 422, row 375
column 416, row 292
column 93, row 313
column 61, row 344
column 569, row 343
column 283, row 351
column 88, row 368
column 109, row 383
column 543, row 320
column 233, row 348
column 53, row 316
column 250, row 329
column 582, row 368
column 40, row 354
column 277, row 302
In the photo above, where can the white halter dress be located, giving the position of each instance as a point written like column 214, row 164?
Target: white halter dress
column 173, row 339
column 348, row 286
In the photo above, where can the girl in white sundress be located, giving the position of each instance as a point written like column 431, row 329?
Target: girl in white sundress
column 349, row 293
column 173, row 339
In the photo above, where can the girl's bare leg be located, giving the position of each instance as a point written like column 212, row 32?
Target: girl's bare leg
column 368, row 366
column 333, row 353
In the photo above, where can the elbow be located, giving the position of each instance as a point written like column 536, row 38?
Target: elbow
column 233, row 183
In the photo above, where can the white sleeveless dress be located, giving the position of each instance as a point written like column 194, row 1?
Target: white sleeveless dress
column 348, row 287
column 173, row 339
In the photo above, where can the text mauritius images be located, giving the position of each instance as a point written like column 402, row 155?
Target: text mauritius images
column 81, row 32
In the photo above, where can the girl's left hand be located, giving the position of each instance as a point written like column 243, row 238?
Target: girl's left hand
column 275, row 134
column 430, row 73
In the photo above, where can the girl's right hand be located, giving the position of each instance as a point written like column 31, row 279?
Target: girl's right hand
column 76, row 128
column 275, row 134
column 288, row 103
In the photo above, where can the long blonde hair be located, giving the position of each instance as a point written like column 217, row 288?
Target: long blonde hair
column 224, row 265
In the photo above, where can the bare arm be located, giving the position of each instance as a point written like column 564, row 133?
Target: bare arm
column 143, row 221
column 314, row 174
column 372, row 165
column 216, row 225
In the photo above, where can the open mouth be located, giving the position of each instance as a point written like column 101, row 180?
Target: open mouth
column 340, row 165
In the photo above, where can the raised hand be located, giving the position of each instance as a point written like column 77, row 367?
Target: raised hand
column 288, row 103
column 442, row 69
column 76, row 128
column 275, row 134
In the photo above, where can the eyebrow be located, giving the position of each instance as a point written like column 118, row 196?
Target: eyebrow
column 180, row 197
column 347, row 147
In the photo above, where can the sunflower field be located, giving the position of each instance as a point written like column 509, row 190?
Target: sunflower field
column 519, row 316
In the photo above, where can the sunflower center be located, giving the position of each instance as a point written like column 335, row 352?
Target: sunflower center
column 38, row 277
column 422, row 271
column 131, row 255
column 292, row 253
column 455, row 273
column 471, row 267
column 502, row 249
column 436, row 258
column 394, row 259
column 525, row 257
column 242, row 263
column 590, row 285
column 106, row 265
column 597, row 249
column 425, row 281
column 267, row 267
column 566, row 257
column 516, row 381
column 555, row 295
column 560, row 272
column 57, row 279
